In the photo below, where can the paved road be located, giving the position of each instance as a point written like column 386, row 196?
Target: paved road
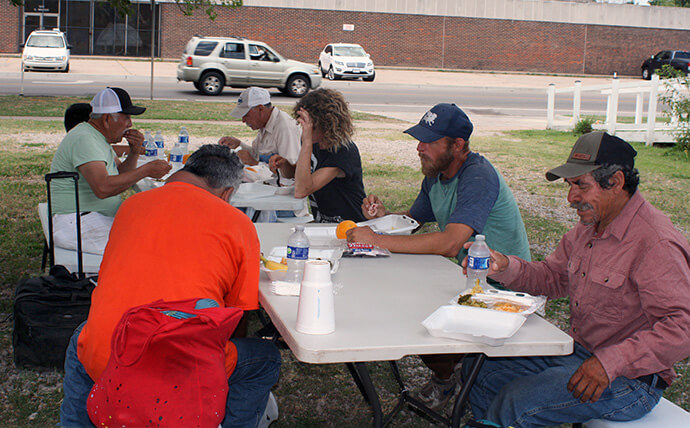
column 493, row 101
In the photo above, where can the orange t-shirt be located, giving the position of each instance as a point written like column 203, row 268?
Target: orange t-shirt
column 172, row 243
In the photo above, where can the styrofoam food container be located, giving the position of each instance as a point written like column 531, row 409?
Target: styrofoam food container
column 287, row 190
column 273, row 275
column 473, row 324
column 255, row 190
column 392, row 224
column 531, row 304
column 321, row 236
column 333, row 255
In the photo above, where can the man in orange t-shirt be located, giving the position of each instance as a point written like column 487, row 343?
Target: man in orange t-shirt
column 181, row 241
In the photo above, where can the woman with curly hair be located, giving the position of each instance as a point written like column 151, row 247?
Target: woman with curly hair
column 328, row 168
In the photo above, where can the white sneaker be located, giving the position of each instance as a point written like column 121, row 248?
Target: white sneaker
column 271, row 413
column 436, row 393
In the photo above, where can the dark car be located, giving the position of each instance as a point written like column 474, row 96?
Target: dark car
column 677, row 59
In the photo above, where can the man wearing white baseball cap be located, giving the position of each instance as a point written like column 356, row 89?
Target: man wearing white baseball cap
column 279, row 135
column 87, row 149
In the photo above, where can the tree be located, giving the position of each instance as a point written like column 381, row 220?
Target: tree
column 124, row 7
column 678, row 85
column 674, row 3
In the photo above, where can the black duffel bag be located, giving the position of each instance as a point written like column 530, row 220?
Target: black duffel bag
column 47, row 309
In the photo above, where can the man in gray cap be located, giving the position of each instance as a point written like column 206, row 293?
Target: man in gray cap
column 626, row 270
column 87, row 149
column 279, row 134
column 466, row 196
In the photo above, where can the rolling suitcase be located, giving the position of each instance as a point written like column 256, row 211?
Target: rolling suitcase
column 47, row 309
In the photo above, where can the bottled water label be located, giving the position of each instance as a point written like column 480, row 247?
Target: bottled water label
column 151, row 151
column 160, row 144
column 173, row 157
column 298, row 253
column 478, row 263
column 184, row 139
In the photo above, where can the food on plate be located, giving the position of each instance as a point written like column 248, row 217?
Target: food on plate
column 373, row 209
column 507, row 307
column 270, row 264
column 467, row 300
column 249, row 168
column 343, row 227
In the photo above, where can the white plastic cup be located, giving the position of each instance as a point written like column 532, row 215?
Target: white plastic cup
column 316, row 307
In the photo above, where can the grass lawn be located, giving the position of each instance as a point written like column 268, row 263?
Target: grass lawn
column 308, row 395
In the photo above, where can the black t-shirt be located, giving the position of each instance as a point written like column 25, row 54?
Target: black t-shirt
column 341, row 199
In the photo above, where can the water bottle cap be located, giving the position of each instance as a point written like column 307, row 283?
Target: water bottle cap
column 299, row 227
column 480, row 237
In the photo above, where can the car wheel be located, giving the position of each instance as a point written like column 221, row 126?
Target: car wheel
column 297, row 85
column 646, row 75
column 370, row 78
column 332, row 75
column 323, row 72
column 66, row 70
column 211, row 83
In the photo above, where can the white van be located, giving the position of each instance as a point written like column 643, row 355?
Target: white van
column 46, row 50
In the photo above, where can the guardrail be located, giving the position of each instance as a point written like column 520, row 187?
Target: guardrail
column 650, row 131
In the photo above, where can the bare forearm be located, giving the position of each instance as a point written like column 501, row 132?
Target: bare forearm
column 115, row 184
column 423, row 243
column 130, row 163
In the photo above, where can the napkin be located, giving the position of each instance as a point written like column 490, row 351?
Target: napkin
column 284, row 288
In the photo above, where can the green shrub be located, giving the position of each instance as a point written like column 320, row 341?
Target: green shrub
column 679, row 103
column 584, row 126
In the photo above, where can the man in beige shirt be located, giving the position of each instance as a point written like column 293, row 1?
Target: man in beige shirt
column 279, row 135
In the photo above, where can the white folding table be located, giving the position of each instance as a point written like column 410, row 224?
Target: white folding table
column 379, row 306
column 242, row 200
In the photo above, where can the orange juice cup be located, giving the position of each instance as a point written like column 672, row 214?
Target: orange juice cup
column 185, row 157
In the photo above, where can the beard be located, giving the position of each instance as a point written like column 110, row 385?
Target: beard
column 431, row 169
column 584, row 206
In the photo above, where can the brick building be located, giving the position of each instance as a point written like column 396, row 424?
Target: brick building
column 506, row 35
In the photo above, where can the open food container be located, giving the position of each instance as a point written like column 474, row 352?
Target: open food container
column 502, row 301
column 322, row 236
column 332, row 255
column 473, row 324
column 392, row 224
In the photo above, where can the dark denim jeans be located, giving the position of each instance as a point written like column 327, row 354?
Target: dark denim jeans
column 532, row 391
column 257, row 370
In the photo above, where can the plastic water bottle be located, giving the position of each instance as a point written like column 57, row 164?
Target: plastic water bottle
column 478, row 258
column 145, row 144
column 160, row 143
column 176, row 158
column 151, row 149
column 297, row 254
column 183, row 140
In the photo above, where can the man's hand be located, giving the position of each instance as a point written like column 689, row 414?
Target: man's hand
column 372, row 207
column 246, row 158
column 275, row 162
column 498, row 262
column 362, row 234
column 135, row 139
column 231, row 142
column 589, row 380
column 157, row 168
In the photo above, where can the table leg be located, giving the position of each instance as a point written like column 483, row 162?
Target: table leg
column 358, row 381
column 461, row 401
column 369, row 391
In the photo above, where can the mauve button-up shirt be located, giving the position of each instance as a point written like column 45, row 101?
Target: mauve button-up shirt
column 629, row 290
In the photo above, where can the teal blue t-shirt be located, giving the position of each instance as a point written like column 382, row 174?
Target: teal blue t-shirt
column 478, row 197
column 81, row 145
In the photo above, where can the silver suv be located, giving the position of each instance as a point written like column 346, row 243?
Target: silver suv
column 214, row 62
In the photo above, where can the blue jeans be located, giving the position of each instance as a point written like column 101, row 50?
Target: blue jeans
column 532, row 391
column 257, row 370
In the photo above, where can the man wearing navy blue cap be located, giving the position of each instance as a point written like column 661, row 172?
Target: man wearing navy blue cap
column 466, row 196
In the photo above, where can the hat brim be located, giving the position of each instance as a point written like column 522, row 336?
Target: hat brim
column 570, row 170
column 134, row 110
column 239, row 112
column 423, row 134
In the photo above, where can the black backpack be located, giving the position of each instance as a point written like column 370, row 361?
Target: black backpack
column 47, row 309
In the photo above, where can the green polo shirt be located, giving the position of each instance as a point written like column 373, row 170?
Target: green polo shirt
column 81, row 145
